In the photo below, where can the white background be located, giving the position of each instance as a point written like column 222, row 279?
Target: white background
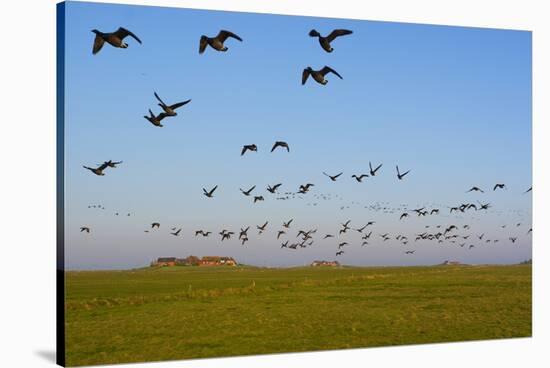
column 27, row 180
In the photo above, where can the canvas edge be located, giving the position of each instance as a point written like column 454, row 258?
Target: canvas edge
column 60, row 184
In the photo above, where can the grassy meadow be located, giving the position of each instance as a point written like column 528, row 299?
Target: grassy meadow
column 168, row 313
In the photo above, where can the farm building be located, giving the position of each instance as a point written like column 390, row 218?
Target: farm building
column 217, row 261
column 325, row 263
column 451, row 263
column 165, row 261
column 194, row 261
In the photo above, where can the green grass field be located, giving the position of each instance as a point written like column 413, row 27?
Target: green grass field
column 199, row 312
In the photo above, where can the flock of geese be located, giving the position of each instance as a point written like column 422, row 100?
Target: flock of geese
column 294, row 237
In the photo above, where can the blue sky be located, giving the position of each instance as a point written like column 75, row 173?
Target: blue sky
column 452, row 104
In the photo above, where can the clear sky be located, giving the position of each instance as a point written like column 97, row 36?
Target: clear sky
column 452, row 104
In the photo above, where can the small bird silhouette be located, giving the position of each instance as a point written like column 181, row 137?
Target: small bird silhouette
column 325, row 41
column 217, row 43
column 249, row 147
column 280, row 144
column 209, row 194
column 115, row 39
column 318, row 75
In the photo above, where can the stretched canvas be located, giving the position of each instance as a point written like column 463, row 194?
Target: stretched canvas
column 238, row 184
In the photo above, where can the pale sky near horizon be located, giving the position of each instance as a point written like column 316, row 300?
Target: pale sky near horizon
column 452, row 104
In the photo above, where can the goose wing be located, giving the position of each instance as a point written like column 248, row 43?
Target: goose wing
column 98, row 44
column 158, row 98
column 224, row 35
column 123, row 32
column 338, row 33
column 328, row 69
column 179, row 104
column 305, row 75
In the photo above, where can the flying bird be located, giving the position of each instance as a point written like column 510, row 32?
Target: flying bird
column 155, row 120
column 176, row 233
column 247, row 192
column 115, row 39
column 373, row 171
column 528, row 190
column 258, row 198
column 170, row 110
column 359, row 178
column 98, row 170
column 287, row 224
column 318, row 75
column 325, row 41
column 273, row 189
column 85, row 228
column 399, row 175
column 281, row 232
column 280, row 144
column 155, row 224
column 499, row 186
column 475, row 189
column 112, row 164
column 209, row 194
column 249, row 147
column 332, row 177
column 217, row 43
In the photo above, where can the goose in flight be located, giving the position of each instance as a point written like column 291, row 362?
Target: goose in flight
column 434, row 211
column 339, row 253
column 198, row 232
column 170, row 110
column 273, row 189
column 403, row 215
column 373, row 171
column 409, row 252
column 360, row 230
column 85, row 228
column 343, row 244
column 98, row 170
column 155, row 224
column 217, row 43
column 281, row 232
column 399, row 175
column 280, row 144
column 244, row 233
column 305, row 188
column 112, row 164
column 262, row 228
column 325, row 41
column 258, row 198
column 318, row 75
column 209, row 194
column 332, row 177
column 285, row 244
column 176, row 233
column 359, row 178
column 115, row 39
column 249, row 147
column 513, row 239
column 499, row 186
column 328, row 236
column 247, row 192
column 244, row 240
column 287, row 224
column 475, row 189
column 155, row 120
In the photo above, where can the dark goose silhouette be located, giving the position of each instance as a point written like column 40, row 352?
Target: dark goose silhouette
column 280, row 144
column 332, row 177
column 249, row 147
column 325, row 41
column 318, row 75
column 359, row 178
column 115, row 39
column 373, row 171
column 85, row 228
column 98, row 170
column 210, row 193
column 155, row 224
column 287, row 224
column 170, row 110
column 155, row 120
column 247, row 192
column 499, row 186
column 273, row 189
column 475, row 189
column 112, row 164
column 399, row 175
column 217, row 43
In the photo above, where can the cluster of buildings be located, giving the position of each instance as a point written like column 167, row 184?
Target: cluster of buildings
column 194, row 261
column 325, row 263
